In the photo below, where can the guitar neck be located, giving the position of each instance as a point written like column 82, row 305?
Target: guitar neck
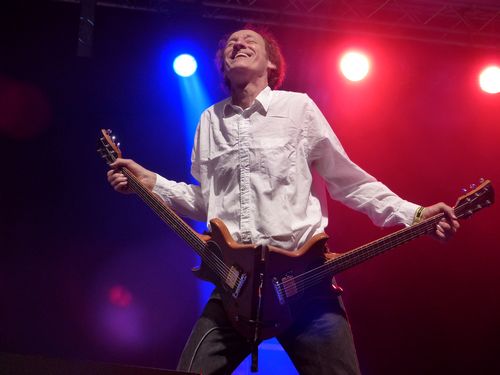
column 372, row 249
column 166, row 214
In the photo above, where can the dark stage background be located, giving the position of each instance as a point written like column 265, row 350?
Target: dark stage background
column 419, row 123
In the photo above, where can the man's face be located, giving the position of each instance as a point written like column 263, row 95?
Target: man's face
column 245, row 53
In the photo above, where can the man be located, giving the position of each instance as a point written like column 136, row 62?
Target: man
column 254, row 157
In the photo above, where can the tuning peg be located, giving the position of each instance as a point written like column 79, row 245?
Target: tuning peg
column 473, row 186
column 109, row 131
column 481, row 180
column 463, row 190
column 113, row 138
column 118, row 144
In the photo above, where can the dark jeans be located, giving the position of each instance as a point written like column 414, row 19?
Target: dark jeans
column 318, row 342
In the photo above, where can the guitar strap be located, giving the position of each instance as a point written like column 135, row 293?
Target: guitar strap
column 259, row 272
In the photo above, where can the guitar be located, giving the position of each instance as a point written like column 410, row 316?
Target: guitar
column 263, row 286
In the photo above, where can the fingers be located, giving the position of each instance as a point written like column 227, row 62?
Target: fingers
column 116, row 178
column 449, row 213
column 118, row 181
column 448, row 224
column 446, row 228
column 120, row 163
column 439, row 233
column 442, row 228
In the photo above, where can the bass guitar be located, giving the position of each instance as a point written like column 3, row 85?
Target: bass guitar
column 263, row 287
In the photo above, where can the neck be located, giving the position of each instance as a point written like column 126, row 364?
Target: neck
column 243, row 95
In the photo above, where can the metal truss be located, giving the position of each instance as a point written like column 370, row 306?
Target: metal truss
column 458, row 22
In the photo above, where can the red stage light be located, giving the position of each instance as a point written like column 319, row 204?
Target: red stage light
column 120, row 296
column 489, row 80
column 354, row 65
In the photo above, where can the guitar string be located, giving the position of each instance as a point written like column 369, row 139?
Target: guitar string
column 346, row 260
column 354, row 257
column 178, row 226
column 183, row 230
column 357, row 256
column 188, row 235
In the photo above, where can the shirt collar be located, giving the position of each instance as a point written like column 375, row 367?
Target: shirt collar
column 263, row 99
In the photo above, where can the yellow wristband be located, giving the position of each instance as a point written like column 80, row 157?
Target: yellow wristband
column 418, row 215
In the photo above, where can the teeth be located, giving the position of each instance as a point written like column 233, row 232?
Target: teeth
column 240, row 55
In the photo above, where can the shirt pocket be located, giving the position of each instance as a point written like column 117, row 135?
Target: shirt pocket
column 276, row 158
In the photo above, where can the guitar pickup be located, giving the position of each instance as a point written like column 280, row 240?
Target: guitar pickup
column 235, row 280
column 285, row 288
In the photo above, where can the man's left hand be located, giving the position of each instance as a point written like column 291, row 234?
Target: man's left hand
column 447, row 226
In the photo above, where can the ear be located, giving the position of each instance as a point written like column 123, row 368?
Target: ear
column 271, row 65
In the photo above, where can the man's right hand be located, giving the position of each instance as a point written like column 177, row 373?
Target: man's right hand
column 119, row 181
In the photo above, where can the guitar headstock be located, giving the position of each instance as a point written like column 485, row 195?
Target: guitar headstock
column 478, row 198
column 108, row 146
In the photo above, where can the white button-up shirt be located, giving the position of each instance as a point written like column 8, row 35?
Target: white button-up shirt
column 257, row 171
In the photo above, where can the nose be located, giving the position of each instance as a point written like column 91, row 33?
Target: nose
column 237, row 46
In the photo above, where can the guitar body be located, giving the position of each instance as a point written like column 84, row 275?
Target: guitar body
column 268, row 301
column 285, row 299
column 238, row 284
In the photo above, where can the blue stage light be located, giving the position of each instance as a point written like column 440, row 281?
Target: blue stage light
column 185, row 65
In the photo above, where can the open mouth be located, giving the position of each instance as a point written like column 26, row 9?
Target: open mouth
column 240, row 55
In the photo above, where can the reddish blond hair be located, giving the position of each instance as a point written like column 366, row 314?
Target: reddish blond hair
column 276, row 76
